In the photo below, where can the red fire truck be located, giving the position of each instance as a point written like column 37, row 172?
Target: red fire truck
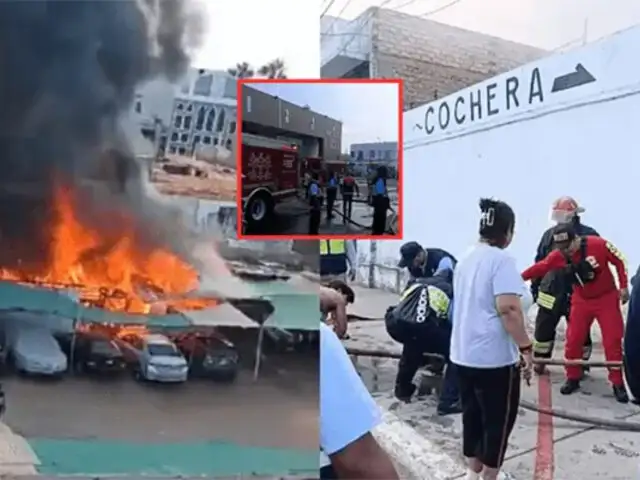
column 271, row 173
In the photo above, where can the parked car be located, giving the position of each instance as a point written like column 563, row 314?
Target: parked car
column 35, row 351
column 93, row 354
column 155, row 358
column 210, row 356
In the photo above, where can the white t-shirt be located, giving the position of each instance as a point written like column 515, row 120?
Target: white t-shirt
column 479, row 338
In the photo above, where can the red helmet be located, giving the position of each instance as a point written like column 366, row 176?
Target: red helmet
column 564, row 209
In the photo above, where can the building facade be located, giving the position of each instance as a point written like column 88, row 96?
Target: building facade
column 198, row 111
column 364, row 158
column 314, row 134
column 432, row 58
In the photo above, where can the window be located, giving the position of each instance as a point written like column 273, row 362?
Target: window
column 200, row 119
column 286, row 115
column 187, row 122
column 232, row 126
column 372, row 154
column 248, row 104
column 228, row 144
column 162, row 349
column 313, row 123
column 210, row 118
column 181, row 151
column 179, row 106
column 178, row 121
column 353, row 154
column 206, row 140
column 196, row 139
column 138, row 106
column 174, row 137
column 184, row 137
column 220, row 123
column 172, row 149
column 215, row 140
column 190, row 108
column 360, row 155
column 202, row 86
column 387, row 154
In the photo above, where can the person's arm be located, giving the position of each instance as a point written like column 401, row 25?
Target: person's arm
column 553, row 261
column 445, row 264
column 507, row 288
column 348, row 414
column 616, row 258
column 332, row 301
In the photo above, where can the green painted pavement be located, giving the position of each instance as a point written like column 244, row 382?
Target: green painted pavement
column 95, row 457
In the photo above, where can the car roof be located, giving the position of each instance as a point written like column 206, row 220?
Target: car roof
column 156, row 338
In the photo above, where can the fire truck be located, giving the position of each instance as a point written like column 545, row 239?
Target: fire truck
column 271, row 173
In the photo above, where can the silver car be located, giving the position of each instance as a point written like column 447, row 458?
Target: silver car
column 35, row 351
column 159, row 360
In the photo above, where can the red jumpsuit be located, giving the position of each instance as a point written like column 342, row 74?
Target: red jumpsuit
column 597, row 299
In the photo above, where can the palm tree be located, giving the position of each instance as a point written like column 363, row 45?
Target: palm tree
column 242, row 70
column 274, row 69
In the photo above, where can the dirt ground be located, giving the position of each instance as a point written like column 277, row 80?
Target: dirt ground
column 220, row 184
column 280, row 410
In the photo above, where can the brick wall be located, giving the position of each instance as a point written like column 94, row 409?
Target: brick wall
column 435, row 59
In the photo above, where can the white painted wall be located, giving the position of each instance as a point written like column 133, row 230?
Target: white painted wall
column 582, row 142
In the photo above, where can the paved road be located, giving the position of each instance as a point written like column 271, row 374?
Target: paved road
column 84, row 426
column 292, row 219
column 428, row 446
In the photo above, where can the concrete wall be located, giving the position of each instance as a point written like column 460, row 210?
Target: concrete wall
column 435, row 59
column 579, row 141
column 266, row 110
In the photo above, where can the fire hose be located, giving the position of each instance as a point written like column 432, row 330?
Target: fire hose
column 600, row 423
column 359, row 225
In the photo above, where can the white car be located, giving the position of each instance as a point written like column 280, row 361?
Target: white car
column 158, row 359
column 35, row 351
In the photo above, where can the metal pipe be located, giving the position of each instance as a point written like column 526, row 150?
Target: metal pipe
column 538, row 361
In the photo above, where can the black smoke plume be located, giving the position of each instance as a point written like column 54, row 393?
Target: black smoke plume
column 68, row 71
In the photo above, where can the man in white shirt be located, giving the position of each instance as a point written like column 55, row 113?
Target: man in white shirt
column 348, row 414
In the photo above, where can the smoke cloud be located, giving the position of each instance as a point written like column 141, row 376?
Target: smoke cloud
column 68, row 71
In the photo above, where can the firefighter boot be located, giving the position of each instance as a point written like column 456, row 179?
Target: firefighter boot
column 620, row 392
column 569, row 387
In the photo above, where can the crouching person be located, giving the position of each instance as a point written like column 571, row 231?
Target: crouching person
column 420, row 322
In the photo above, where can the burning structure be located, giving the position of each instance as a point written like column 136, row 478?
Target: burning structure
column 73, row 211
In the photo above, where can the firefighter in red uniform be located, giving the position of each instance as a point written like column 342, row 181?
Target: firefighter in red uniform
column 595, row 296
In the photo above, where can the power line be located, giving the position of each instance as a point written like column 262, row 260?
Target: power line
column 336, row 17
column 440, row 9
column 359, row 33
column 326, row 9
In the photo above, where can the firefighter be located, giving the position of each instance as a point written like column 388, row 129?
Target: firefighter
column 632, row 340
column 348, row 187
column 338, row 260
column 424, row 263
column 380, row 201
column 314, row 196
column 431, row 334
column 332, row 193
column 594, row 296
column 552, row 293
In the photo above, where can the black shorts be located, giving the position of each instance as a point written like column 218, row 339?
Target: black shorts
column 490, row 398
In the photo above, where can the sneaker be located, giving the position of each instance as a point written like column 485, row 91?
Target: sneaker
column 450, row 409
column 569, row 387
column 620, row 392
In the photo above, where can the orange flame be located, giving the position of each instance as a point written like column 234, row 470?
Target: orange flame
column 120, row 272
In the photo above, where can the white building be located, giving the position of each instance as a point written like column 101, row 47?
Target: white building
column 200, row 110
column 374, row 152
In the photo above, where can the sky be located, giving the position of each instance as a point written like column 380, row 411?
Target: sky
column 369, row 112
column 257, row 31
column 548, row 24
